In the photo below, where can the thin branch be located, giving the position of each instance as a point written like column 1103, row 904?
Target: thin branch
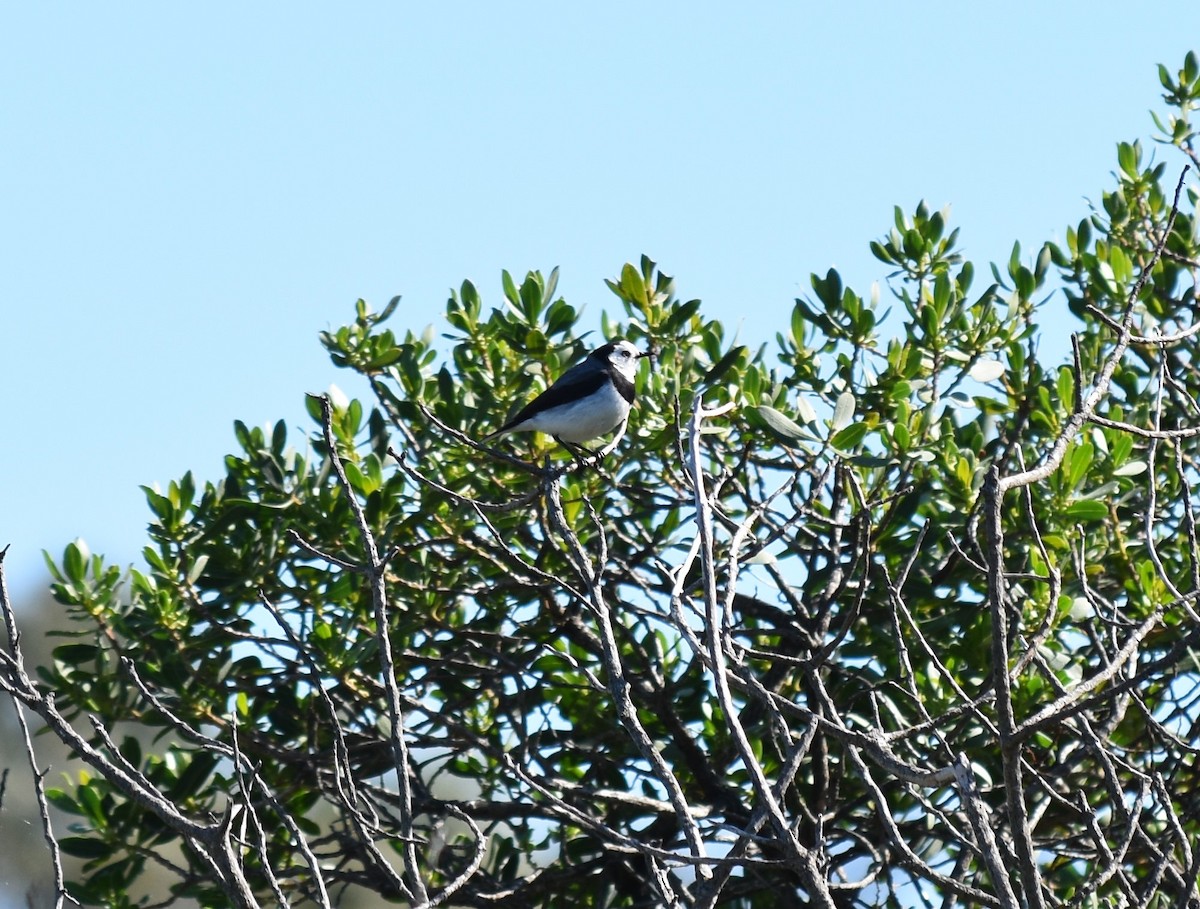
column 412, row 884
column 618, row 684
column 1054, row 455
column 806, row 863
column 1010, row 745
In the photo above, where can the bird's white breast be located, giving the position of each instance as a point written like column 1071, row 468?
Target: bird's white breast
column 584, row 419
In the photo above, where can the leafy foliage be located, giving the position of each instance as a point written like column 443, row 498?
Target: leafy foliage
column 759, row 676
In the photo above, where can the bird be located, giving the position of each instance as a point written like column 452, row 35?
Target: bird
column 588, row 400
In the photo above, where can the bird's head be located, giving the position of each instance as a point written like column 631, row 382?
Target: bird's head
column 621, row 356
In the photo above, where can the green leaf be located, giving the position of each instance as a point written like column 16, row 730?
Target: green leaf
column 986, row 370
column 723, row 365
column 632, row 286
column 63, row 801
column 680, row 315
column 1079, row 460
column 1131, row 469
column 312, row 403
column 941, row 295
column 510, row 290
column 75, row 558
column 355, row 476
column 384, row 359
column 1066, row 387
column 1122, row 265
column 1086, row 510
column 93, row 805
column 1026, row 283
column 805, row 411
column 531, row 298
column 1127, row 159
column 1045, row 257
column 193, row 776
column 85, row 847
column 1109, row 277
column 76, row 654
column 850, row 437
column 779, row 424
column 1122, row 447
column 843, row 410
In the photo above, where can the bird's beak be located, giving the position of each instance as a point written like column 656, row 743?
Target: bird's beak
column 652, row 353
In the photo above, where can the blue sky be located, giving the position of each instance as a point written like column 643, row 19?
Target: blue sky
column 190, row 194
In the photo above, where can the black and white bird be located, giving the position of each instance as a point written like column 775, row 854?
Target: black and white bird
column 588, row 400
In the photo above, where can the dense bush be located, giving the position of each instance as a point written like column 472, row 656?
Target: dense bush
column 894, row 611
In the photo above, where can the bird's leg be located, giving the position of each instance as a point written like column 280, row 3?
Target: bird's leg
column 580, row 452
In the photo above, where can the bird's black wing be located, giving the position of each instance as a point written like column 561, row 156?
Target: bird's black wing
column 572, row 385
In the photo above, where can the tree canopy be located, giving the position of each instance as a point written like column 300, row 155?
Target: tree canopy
column 897, row 610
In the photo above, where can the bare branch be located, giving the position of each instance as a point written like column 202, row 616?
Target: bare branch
column 1053, row 456
column 412, row 884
